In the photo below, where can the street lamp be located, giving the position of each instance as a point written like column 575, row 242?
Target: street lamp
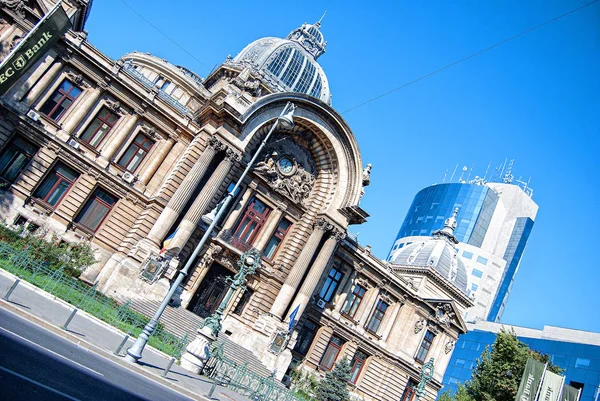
column 286, row 119
column 426, row 376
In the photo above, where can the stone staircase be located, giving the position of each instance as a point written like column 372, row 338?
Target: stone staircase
column 180, row 321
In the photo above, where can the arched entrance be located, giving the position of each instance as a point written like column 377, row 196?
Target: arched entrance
column 211, row 292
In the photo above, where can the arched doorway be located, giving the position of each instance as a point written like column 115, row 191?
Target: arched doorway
column 211, row 292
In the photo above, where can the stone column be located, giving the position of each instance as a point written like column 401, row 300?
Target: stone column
column 235, row 213
column 293, row 279
column 163, row 150
column 269, row 229
column 192, row 217
column 316, row 271
column 44, row 81
column 184, row 192
column 346, row 288
column 78, row 114
column 119, row 137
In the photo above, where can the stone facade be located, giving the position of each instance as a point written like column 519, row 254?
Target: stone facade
column 131, row 155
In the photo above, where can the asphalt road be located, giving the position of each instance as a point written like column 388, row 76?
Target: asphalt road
column 36, row 364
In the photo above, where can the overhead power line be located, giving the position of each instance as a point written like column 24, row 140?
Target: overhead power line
column 167, row 36
column 470, row 56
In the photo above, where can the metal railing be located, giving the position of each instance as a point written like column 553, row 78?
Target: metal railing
column 85, row 297
column 244, row 381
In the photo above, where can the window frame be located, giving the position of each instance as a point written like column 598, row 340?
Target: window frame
column 328, row 282
column 54, row 170
column 102, row 121
column 18, row 152
column 336, row 347
column 352, row 300
column 93, row 198
column 354, row 377
column 426, row 343
column 253, row 216
column 126, row 165
column 280, row 235
column 306, row 332
column 409, row 391
column 378, row 315
column 65, row 95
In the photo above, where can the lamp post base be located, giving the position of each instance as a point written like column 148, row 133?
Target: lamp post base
column 197, row 352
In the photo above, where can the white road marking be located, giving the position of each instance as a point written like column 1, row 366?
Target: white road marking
column 52, row 352
column 37, row 383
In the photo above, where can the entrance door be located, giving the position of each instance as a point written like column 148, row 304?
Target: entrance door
column 211, row 292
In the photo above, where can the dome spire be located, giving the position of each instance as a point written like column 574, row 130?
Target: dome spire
column 309, row 36
column 447, row 233
column 318, row 23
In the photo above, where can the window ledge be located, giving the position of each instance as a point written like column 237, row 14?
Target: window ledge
column 348, row 317
column 40, row 206
column 373, row 333
column 81, row 230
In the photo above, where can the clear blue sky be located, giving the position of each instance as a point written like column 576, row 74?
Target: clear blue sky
column 535, row 99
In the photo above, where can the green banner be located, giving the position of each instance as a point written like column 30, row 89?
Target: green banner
column 551, row 386
column 530, row 382
column 37, row 42
column 569, row 393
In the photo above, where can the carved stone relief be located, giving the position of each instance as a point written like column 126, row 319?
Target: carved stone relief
column 288, row 168
column 444, row 314
column 449, row 346
column 419, row 325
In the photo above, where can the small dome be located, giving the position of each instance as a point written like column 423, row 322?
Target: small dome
column 438, row 252
column 290, row 65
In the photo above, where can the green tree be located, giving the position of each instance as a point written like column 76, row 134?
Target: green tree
column 334, row 387
column 498, row 372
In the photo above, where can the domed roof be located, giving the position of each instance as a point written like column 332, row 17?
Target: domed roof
column 438, row 252
column 290, row 64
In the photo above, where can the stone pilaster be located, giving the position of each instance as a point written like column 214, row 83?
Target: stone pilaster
column 184, row 192
column 77, row 116
column 164, row 147
column 119, row 137
column 269, row 229
column 293, row 279
column 317, row 269
column 192, row 217
column 367, row 305
column 44, row 81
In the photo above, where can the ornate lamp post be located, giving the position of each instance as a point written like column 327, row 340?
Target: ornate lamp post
column 426, row 376
column 197, row 352
column 285, row 119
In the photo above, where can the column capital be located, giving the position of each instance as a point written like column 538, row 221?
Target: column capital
column 216, row 144
column 324, row 225
column 232, row 155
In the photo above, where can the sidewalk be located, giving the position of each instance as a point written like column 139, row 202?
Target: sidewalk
column 45, row 310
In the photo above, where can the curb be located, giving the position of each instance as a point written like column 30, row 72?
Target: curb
column 106, row 354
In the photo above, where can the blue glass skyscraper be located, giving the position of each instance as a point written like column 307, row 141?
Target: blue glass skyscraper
column 494, row 224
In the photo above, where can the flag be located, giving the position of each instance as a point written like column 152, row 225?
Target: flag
column 35, row 44
column 551, row 386
column 167, row 241
column 569, row 393
column 293, row 318
column 530, row 382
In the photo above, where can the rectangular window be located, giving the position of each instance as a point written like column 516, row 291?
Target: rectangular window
column 354, row 300
column 377, row 316
column 136, row 152
column 331, row 353
column 15, row 157
column 424, row 347
column 305, row 337
column 582, row 363
column 96, row 209
column 56, row 184
column 482, row 260
column 95, row 133
column 244, row 300
column 331, row 283
column 467, row 255
column 61, row 100
column 252, row 221
column 474, row 287
column 409, row 391
column 357, row 363
column 477, row 273
column 277, row 238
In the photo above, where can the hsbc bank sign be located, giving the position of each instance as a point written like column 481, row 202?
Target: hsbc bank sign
column 37, row 42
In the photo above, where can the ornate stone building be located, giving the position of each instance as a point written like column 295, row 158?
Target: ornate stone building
column 132, row 154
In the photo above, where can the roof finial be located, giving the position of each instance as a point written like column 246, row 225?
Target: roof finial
column 318, row 23
column 450, row 223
